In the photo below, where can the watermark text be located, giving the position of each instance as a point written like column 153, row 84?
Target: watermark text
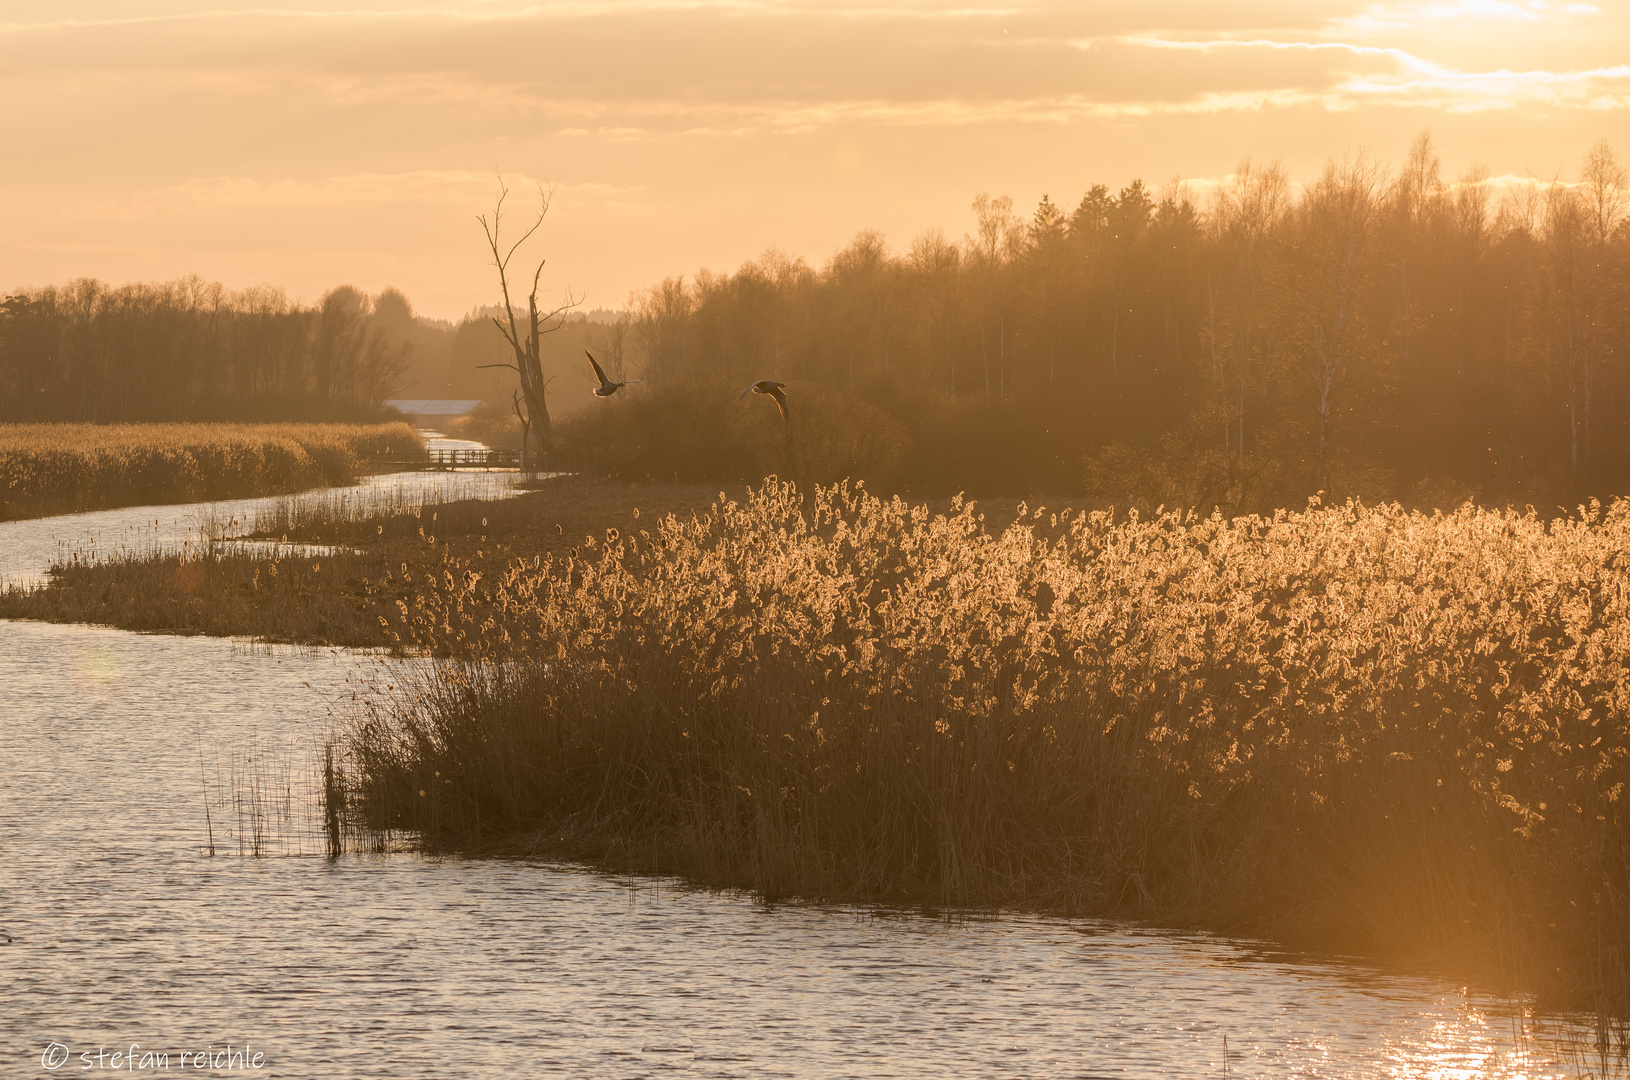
column 137, row 1059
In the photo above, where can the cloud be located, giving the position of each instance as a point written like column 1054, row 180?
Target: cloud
column 654, row 69
column 245, row 194
column 1399, row 16
column 1405, row 79
column 686, row 129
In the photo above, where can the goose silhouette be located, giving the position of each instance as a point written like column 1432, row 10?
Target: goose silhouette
column 771, row 388
column 606, row 387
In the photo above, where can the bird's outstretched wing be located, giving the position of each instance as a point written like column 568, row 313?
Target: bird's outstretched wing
column 745, row 392
column 780, row 399
column 599, row 372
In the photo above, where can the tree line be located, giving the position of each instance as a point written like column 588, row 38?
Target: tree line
column 1379, row 333
column 192, row 349
column 1370, row 332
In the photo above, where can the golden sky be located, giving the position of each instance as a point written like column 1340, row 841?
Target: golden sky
column 353, row 141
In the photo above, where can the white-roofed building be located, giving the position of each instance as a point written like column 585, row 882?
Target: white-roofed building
column 432, row 408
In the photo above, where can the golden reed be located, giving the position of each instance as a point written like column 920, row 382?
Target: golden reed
column 65, row 468
column 1354, row 725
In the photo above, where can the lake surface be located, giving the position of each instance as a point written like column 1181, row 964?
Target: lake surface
column 117, row 927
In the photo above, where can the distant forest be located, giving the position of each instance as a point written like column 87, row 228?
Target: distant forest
column 1384, row 334
column 194, row 350
column 1378, row 334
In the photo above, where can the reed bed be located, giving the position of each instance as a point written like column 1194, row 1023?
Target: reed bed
column 65, row 468
column 1354, row 726
column 286, row 593
column 322, row 568
column 355, row 514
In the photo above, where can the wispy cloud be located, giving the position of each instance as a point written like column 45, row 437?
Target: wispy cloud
column 1415, row 81
column 266, row 131
column 1396, row 16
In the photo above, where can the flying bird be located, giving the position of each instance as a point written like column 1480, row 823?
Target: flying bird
column 606, row 387
column 773, row 389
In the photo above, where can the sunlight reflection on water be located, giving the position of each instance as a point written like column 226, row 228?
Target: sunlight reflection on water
column 123, row 930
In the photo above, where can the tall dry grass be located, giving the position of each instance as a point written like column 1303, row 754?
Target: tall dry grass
column 1356, row 725
column 64, row 468
column 322, row 567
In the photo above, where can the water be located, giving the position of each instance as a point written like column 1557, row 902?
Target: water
column 435, row 440
column 124, row 930
column 29, row 548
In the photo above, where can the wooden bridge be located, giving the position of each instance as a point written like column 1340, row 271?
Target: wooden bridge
column 446, row 460
column 484, row 458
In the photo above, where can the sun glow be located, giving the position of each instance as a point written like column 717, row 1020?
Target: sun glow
column 365, row 129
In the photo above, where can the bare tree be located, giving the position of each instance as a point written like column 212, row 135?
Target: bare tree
column 938, row 265
column 662, row 324
column 1416, row 192
column 1580, row 221
column 1243, row 219
column 538, row 435
column 1001, row 237
column 1336, row 224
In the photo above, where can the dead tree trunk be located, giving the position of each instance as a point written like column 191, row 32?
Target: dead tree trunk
column 537, row 432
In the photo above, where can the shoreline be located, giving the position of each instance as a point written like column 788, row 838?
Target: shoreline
column 119, row 466
column 915, row 800
column 335, row 598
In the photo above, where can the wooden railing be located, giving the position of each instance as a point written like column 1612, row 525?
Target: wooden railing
column 485, row 458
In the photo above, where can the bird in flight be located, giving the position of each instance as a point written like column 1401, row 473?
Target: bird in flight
column 773, row 389
column 606, row 387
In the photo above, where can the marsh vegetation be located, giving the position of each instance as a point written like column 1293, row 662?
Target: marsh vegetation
column 1358, row 726
column 65, row 468
column 322, row 568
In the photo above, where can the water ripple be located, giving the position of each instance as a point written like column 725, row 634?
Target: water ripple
column 123, row 930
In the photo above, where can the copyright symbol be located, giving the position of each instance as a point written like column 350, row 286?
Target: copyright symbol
column 55, row 1056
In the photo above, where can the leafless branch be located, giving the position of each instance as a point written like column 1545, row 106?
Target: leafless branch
column 502, row 329
column 557, row 313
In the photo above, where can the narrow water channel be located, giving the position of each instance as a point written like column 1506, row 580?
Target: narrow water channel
column 119, row 928
column 29, row 548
